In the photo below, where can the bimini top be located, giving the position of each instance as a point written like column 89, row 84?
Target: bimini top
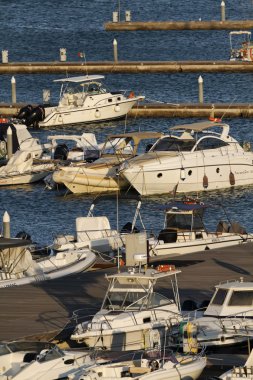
column 241, row 32
column 199, row 127
column 6, row 243
column 185, row 206
column 80, row 79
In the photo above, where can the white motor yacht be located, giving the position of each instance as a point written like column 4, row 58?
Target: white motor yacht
column 228, row 317
column 184, row 231
column 149, row 366
column 102, row 174
column 132, row 315
column 83, row 99
column 202, row 157
column 40, row 361
column 17, row 266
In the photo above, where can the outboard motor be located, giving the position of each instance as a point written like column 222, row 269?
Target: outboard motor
column 23, row 235
column 37, row 115
column 61, row 152
column 127, row 229
column 25, row 112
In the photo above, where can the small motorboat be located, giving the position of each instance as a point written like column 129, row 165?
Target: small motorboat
column 149, row 365
column 240, row 372
column 132, row 315
column 40, row 361
column 184, row 231
column 17, row 266
column 227, row 319
column 83, row 99
column 102, row 174
column 241, row 47
column 22, row 168
column 202, row 157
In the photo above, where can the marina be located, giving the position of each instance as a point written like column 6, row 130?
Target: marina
column 104, row 251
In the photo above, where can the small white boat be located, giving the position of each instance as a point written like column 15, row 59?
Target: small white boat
column 228, row 317
column 40, row 361
column 149, row 366
column 132, row 315
column 22, row 168
column 83, row 99
column 241, row 47
column 198, row 159
column 102, row 174
column 240, row 372
column 184, row 231
column 17, row 266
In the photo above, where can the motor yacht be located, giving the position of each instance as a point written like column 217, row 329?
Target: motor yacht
column 102, row 174
column 228, row 318
column 184, row 231
column 83, row 99
column 202, row 157
column 132, row 315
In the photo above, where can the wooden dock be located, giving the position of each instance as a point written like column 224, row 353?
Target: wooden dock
column 41, row 311
column 179, row 25
column 157, row 110
column 126, row 67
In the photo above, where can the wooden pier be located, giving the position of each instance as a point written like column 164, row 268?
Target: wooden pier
column 126, row 67
column 179, row 25
column 165, row 110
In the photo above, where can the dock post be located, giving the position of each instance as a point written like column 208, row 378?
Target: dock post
column 6, row 225
column 46, row 96
column 201, row 92
column 5, row 56
column 115, row 16
column 223, row 10
column 115, row 50
column 128, row 16
column 13, row 90
column 9, row 143
column 63, row 54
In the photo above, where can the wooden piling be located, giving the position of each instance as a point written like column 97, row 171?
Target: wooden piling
column 179, row 25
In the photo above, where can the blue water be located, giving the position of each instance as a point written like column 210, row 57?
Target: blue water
column 36, row 30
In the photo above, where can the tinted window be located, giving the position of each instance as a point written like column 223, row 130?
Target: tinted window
column 210, row 143
column 184, row 221
column 219, row 297
column 241, row 298
column 168, row 144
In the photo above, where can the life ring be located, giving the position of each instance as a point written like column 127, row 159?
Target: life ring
column 3, row 120
column 215, row 119
column 131, row 95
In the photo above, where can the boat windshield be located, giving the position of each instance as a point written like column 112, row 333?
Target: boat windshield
column 219, row 297
column 90, row 88
column 134, row 301
column 47, row 355
column 172, row 144
column 4, row 349
column 187, row 222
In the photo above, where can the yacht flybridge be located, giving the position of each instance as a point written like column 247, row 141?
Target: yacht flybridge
column 132, row 315
column 200, row 158
column 83, row 99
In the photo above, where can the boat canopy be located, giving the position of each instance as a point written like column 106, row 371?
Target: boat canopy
column 80, row 79
column 185, row 206
column 198, row 127
column 6, row 243
column 241, row 32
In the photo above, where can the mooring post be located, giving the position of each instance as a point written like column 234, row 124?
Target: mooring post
column 201, row 92
column 128, row 16
column 13, row 90
column 6, row 225
column 46, row 96
column 63, row 54
column 223, row 10
column 5, row 55
column 9, row 143
column 115, row 16
column 115, row 50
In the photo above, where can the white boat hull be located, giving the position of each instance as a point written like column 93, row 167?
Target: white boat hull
column 73, row 115
column 198, row 245
column 23, row 178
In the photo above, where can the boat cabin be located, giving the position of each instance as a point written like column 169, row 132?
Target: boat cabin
column 183, row 219
column 230, row 299
column 241, row 48
column 134, row 290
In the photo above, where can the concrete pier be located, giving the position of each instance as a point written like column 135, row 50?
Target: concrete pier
column 128, row 67
column 155, row 110
column 179, row 25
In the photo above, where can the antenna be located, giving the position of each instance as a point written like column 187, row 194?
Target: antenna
column 83, row 56
column 228, row 107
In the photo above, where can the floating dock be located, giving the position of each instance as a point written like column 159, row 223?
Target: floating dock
column 155, row 110
column 126, row 67
column 179, row 25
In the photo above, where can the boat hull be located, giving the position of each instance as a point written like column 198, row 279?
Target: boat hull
column 74, row 115
column 21, row 179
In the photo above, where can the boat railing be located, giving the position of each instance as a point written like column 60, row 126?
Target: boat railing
column 103, row 320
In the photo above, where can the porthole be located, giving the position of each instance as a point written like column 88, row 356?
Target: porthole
column 109, row 100
column 217, row 170
column 159, row 175
column 190, row 172
column 119, row 98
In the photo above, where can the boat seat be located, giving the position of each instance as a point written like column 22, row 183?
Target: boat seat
column 139, row 370
column 168, row 235
column 237, row 228
column 222, row 226
column 88, row 228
